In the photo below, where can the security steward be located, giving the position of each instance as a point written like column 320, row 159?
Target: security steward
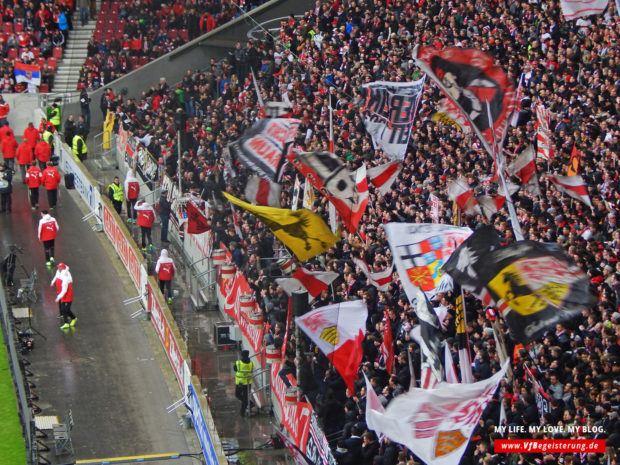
column 243, row 382
column 115, row 192
column 55, row 116
column 48, row 137
column 79, row 148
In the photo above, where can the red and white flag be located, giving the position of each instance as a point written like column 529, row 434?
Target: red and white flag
column 197, row 222
column 524, row 167
column 573, row 186
column 380, row 279
column 459, row 192
column 314, row 282
column 514, row 121
column 372, row 403
column 436, row 424
column 261, row 191
column 383, row 176
column 338, row 331
column 572, row 9
column 387, row 346
column 296, row 191
column 491, row 204
column 544, row 149
column 261, row 104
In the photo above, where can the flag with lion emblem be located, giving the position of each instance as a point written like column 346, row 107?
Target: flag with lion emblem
column 338, row 331
column 436, row 424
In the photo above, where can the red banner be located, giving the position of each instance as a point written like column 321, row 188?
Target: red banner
column 128, row 256
column 233, row 290
column 295, row 417
column 165, row 335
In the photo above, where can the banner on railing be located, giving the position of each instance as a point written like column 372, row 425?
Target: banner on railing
column 233, row 290
column 167, row 338
column 200, row 426
column 301, row 422
column 129, row 147
column 128, row 255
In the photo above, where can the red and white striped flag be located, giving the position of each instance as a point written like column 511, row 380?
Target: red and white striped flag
column 314, row 282
column 459, row 192
column 573, row 9
column 573, row 186
column 383, row 176
column 524, row 167
column 380, row 279
column 544, row 149
column 261, row 191
column 387, row 346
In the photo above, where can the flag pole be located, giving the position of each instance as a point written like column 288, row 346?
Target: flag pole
column 499, row 160
column 331, row 126
column 300, row 307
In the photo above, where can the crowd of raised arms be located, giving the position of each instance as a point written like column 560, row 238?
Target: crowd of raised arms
column 322, row 59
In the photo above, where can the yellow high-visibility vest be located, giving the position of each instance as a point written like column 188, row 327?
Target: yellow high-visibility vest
column 243, row 375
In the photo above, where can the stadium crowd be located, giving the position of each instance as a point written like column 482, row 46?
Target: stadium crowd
column 322, row 59
column 143, row 31
column 32, row 33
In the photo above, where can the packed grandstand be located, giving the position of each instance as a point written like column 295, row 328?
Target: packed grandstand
column 565, row 76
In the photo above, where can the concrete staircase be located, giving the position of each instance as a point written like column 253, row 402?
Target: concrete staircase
column 68, row 71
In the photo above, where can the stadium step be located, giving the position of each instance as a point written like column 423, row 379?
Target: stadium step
column 74, row 55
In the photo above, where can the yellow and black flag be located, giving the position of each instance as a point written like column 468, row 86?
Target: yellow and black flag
column 533, row 284
column 302, row 231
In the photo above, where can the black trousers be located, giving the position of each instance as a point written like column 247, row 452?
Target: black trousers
column 146, row 233
column 242, row 392
column 34, row 196
column 65, row 311
column 118, row 206
column 131, row 212
column 48, row 246
column 166, row 284
column 52, row 197
column 5, row 202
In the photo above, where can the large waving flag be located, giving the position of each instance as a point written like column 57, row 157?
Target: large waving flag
column 338, row 331
column 262, row 147
column 314, row 282
column 574, row 186
column 470, row 79
column 533, row 284
column 573, row 9
column 436, row 424
column 383, row 176
column 302, row 231
column 30, row 74
column 389, row 110
column 380, row 279
column 347, row 191
column 420, row 250
column 462, row 342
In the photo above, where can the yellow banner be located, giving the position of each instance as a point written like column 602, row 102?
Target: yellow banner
column 108, row 125
column 302, row 231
